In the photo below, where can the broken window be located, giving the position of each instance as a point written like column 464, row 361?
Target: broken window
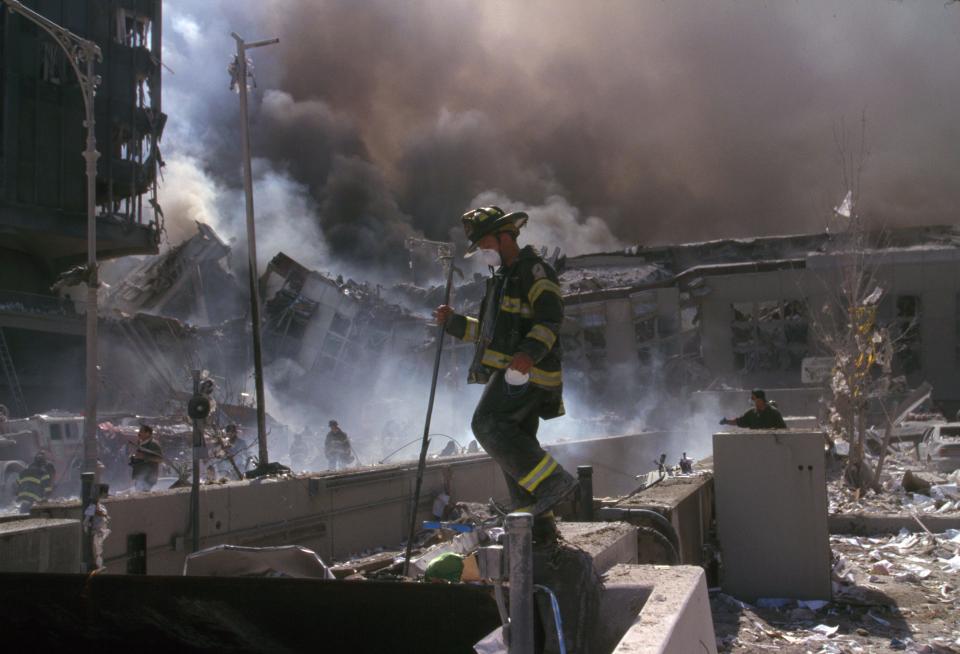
column 53, row 64
column 132, row 29
column 340, row 324
column 769, row 335
column 587, row 343
column 901, row 316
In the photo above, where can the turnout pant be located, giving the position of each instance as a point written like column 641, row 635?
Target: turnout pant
column 505, row 423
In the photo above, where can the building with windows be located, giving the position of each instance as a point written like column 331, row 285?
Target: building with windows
column 738, row 312
column 43, row 185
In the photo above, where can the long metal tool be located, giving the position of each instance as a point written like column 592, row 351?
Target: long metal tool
column 241, row 81
column 425, row 443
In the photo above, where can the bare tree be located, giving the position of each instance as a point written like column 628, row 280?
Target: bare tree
column 846, row 326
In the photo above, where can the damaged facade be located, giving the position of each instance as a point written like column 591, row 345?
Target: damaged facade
column 738, row 312
column 42, row 187
column 320, row 330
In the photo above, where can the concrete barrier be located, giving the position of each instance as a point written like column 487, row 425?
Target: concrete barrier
column 38, row 545
column 335, row 514
column 655, row 610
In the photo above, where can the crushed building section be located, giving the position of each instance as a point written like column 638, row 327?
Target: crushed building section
column 191, row 281
column 320, row 328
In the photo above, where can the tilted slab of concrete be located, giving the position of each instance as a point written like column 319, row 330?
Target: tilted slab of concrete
column 661, row 609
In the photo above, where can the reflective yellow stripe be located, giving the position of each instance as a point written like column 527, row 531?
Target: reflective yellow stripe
column 39, row 482
column 543, row 286
column 543, row 334
column 544, row 378
column 537, row 469
column 516, row 305
column 540, row 472
column 472, row 330
column 495, row 359
column 32, row 496
column 498, row 360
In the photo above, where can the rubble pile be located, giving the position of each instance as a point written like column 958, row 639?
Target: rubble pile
column 907, row 489
column 891, row 594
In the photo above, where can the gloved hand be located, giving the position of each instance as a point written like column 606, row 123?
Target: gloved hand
column 442, row 314
column 521, row 362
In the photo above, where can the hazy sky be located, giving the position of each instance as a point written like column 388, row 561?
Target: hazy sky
column 611, row 122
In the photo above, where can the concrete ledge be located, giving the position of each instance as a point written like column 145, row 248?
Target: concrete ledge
column 865, row 524
column 607, row 543
column 38, row 545
column 674, row 609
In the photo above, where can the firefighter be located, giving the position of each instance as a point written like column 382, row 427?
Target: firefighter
column 145, row 460
column 762, row 416
column 337, row 447
column 35, row 482
column 518, row 359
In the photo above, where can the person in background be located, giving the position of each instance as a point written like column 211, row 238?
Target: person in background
column 761, row 416
column 35, row 482
column 145, row 460
column 337, row 447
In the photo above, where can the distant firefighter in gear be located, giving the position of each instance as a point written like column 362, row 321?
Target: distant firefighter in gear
column 337, row 447
column 35, row 482
column 518, row 358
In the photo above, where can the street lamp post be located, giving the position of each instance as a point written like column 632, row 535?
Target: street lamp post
column 239, row 73
column 82, row 55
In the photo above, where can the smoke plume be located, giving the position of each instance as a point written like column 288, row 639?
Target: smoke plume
column 665, row 121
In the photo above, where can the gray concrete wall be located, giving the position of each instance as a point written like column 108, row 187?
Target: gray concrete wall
column 40, row 545
column 336, row 515
column 771, row 500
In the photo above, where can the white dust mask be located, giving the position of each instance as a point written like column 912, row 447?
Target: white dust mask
column 490, row 257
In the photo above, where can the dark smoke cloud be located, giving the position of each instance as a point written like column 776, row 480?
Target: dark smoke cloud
column 671, row 121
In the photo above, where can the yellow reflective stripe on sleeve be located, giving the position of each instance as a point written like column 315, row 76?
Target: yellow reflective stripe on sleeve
column 541, row 471
column 543, row 334
column 498, row 360
column 32, row 496
column 495, row 359
column 544, row 378
column 39, row 482
column 472, row 331
column 543, row 286
column 516, row 305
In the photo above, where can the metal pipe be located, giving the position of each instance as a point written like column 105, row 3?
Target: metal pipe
column 585, row 505
column 82, row 51
column 241, row 73
column 425, row 443
column 87, row 563
column 557, row 620
column 519, row 529
column 195, row 485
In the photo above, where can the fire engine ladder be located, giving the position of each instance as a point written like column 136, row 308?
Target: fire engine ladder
column 20, row 404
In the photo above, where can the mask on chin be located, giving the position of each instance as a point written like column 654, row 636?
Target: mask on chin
column 489, row 257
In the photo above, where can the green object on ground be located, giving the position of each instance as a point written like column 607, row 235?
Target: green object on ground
column 446, row 567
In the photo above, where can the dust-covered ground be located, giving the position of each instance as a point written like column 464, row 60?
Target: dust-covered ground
column 891, row 593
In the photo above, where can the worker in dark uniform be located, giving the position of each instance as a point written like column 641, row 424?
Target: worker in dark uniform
column 145, row 460
column 518, row 358
column 762, row 416
column 337, row 447
column 35, row 482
